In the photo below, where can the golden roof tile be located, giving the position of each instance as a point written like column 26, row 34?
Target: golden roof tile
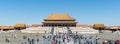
column 59, row 17
column 7, row 27
column 20, row 25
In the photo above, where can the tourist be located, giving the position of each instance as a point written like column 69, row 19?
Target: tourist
column 59, row 41
column 24, row 37
column 7, row 40
column 109, row 42
column 116, row 42
column 37, row 40
column 54, row 42
column 113, row 42
column 44, row 37
column 105, row 42
column 32, row 41
column 28, row 39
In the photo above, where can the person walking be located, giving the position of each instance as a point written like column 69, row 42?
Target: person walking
column 37, row 40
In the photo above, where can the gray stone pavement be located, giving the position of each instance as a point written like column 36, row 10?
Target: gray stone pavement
column 17, row 38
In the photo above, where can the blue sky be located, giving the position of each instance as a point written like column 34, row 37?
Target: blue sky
column 85, row 11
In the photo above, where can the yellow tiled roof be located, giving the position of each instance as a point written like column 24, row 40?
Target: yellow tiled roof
column 59, row 17
column 7, row 27
column 20, row 25
column 99, row 25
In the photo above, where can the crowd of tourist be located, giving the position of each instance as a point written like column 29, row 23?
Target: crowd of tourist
column 77, row 39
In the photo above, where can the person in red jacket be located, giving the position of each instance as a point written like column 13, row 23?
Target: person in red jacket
column 54, row 42
column 118, row 41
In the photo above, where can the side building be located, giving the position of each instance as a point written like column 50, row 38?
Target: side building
column 20, row 26
column 6, row 28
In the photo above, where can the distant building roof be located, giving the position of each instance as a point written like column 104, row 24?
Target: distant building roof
column 20, row 25
column 99, row 25
column 59, row 17
column 6, row 27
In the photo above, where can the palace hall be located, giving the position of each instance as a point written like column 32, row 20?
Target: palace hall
column 59, row 20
